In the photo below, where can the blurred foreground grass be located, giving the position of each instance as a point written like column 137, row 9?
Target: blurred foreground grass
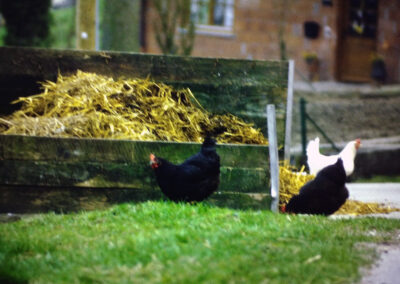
column 156, row 242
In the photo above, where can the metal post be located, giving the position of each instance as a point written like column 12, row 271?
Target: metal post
column 289, row 111
column 273, row 156
column 303, row 125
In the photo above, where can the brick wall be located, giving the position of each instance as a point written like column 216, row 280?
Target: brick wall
column 255, row 34
column 389, row 37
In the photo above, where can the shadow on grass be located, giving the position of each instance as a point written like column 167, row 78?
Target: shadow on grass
column 241, row 201
column 9, row 279
column 31, row 200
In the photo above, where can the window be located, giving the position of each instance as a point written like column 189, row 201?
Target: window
column 213, row 16
column 363, row 15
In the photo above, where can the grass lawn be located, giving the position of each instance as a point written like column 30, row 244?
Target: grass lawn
column 156, row 242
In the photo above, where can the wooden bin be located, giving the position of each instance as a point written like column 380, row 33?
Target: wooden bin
column 40, row 174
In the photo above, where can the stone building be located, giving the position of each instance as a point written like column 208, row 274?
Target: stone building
column 344, row 35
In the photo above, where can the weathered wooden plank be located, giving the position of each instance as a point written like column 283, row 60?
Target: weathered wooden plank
column 244, row 179
column 115, row 175
column 236, row 86
column 53, row 173
column 38, row 199
column 242, row 201
column 181, row 70
column 20, row 147
column 80, row 169
column 99, row 163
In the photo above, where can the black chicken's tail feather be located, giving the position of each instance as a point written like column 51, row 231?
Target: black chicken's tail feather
column 209, row 137
column 214, row 132
column 208, row 142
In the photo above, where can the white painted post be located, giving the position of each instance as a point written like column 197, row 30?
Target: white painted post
column 289, row 111
column 273, row 156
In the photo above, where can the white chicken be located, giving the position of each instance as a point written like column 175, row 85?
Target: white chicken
column 316, row 161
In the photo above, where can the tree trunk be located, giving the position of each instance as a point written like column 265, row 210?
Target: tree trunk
column 121, row 25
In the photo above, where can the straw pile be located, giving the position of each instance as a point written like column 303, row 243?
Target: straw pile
column 95, row 106
column 292, row 180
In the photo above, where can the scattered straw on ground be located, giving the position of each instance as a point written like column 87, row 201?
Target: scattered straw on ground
column 292, row 180
column 354, row 207
column 94, row 106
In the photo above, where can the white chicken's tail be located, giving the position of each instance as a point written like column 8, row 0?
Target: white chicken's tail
column 313, row 156
column 313, row 147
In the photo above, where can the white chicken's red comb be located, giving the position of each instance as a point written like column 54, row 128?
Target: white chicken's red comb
column 358, row 143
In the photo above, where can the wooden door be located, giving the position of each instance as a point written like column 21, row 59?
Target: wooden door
column 357, row 39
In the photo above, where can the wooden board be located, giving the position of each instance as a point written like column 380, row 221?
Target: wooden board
column 355, row 63
column 238, row 86
column 43, row 161
column 356, row 49
column 57, row 163
column 216, row 77
column 58, row 174
column 39, row 199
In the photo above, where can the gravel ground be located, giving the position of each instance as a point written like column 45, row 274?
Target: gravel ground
column 348, row 111
column 386, row 193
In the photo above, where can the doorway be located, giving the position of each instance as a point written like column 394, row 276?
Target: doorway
column 358, row 23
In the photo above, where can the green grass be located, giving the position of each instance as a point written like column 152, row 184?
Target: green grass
column 156, row 242
column 62, row 29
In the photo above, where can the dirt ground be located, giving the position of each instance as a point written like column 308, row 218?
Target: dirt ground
column 349, row 111
column 346, row 111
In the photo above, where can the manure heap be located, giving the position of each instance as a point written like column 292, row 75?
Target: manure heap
column 95, row 106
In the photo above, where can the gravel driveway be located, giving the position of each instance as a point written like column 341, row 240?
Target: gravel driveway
column 387, row 267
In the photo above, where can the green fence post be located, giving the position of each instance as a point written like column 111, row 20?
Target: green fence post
column 303, row 125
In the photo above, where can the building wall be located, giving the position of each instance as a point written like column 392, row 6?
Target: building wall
column 388, row 43
column 257, row 23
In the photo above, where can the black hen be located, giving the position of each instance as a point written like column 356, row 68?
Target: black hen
column 323, row 195
column 193, row 180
